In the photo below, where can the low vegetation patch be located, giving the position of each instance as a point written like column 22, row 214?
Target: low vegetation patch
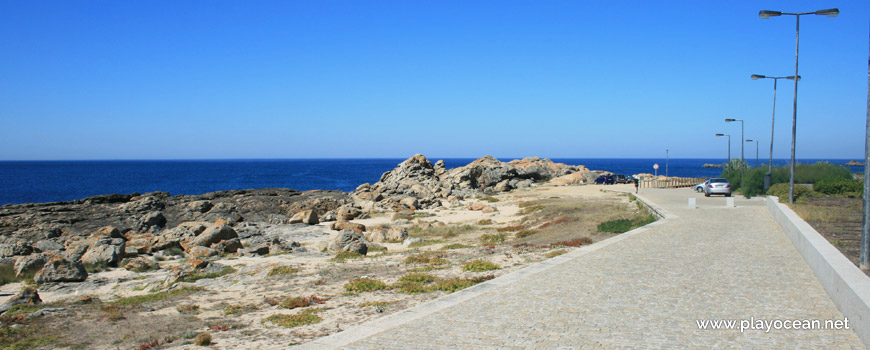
column 573, row 243
column 484, row 222
column 556, row 253
column 480, row 266
column 451, row 285
column 364, row 284
column 294, row 302
column 489, row 199
column 455, row 246
column 160, row 296
column 187, row 308
column 202, row 339
column 344, row 256
column 283, row 270
column 801, row 193
column 510, row 228
column 430, row 258
column 239, row 309
column 7, row 274
column 492, row 239
column 625, row 225
column 525, row 233
column 302, row 318
column 198, row 276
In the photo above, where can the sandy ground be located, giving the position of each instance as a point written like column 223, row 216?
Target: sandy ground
column 252, row 291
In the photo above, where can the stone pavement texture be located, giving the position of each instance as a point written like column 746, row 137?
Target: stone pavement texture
column 642, row 289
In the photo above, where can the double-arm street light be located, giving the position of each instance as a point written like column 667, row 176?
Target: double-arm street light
column 756, row 151
column 742, row 162
column 729, row 151
column 772, row 120
column 765, row 14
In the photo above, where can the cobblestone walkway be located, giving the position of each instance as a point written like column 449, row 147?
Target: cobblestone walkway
column 642, row 289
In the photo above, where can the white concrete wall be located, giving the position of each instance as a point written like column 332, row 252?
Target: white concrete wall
column 844, row 282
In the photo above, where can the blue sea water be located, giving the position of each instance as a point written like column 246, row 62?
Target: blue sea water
column 49, row 181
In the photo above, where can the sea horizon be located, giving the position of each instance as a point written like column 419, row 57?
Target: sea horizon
column 39, row 181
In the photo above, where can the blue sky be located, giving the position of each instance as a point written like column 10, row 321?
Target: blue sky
column 359, row 79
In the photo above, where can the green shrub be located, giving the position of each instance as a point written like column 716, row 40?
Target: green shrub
column 480, row 266
column 837, row 187
column 202, row 339
column 364, row 284
column 484, row 222
column 781, row 191
column 156, row 296
column 282, row 270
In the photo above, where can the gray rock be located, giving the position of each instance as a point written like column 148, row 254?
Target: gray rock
column 47, row 245
column 30, row 264
column 60, row 269
column 15, row 249
column 228, row 246
column 27, row 296
column 214, row 234
column 105, row 251
column 349, row 240
column 308, row 217
column 154, row 218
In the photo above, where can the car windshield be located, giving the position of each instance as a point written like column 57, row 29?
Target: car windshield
column 718, row 181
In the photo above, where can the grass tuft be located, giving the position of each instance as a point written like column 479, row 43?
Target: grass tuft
column 160, row 296
column 364, row 284
column 344, row 256
column 198, row 276
column 282, row 270
column 305, row 317
column 480, row 266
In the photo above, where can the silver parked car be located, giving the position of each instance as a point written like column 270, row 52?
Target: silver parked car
column 717, row 185
column 700, row 187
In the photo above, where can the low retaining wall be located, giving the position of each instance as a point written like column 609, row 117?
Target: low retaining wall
column 848, row 287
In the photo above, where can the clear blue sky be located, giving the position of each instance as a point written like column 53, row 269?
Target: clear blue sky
column 303, row 79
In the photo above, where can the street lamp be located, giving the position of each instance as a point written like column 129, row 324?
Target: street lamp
column 765, row 14
column 667, row 159
column 729, row 151
column 772, row 119
column 756, row 151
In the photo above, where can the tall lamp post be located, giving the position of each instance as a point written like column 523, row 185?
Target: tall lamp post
column 772, row 120
column 729, row 151
column 756, row 151
column 765, row 14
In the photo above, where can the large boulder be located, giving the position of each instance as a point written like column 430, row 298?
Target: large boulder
column 219, row 231
column 152, row 219
column 347, row 225
column 105, row 251
column 60, row 269
column 350, row 241
column 107, row 231
column 347, row 213
column 308, row 217
column 47, row 245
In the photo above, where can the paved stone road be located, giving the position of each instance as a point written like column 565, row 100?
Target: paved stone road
column 642, row 289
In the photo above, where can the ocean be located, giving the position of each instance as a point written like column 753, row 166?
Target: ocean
column 49, row 181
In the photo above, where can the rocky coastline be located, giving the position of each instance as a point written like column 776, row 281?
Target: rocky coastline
column 75, row 248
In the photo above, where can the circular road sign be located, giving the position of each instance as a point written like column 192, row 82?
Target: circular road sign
column 656, row 166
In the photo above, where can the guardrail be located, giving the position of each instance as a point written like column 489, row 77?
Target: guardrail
column 674, row 182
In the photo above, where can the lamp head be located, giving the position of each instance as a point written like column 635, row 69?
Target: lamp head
column 791, row 77
column 750, row 140
column 757, row 76
column 720, row 134
column 764, row 14
column 828, row 12
column 730, row 120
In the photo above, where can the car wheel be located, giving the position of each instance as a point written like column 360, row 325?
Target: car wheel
column 727, row 195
